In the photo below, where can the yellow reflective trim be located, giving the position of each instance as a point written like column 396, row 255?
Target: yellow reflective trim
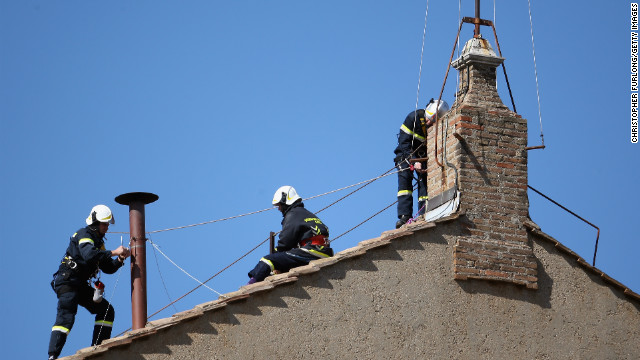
column 409, row 132
column 105, row 323
column 405, row 192
column 316, row 253
column 268, row 262
column 423, row 198
column 61, row 329
column 105, row 219
column 85, row 240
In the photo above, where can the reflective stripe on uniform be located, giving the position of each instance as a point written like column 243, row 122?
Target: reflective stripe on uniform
column 423, row 198
column 409, row 132
column 61, row 329
column 405, row 192
column 85, row 240
column 315, row 252
column 104, row 323
column 268, row 262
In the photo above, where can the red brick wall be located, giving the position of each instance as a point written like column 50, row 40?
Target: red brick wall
column 485, row 142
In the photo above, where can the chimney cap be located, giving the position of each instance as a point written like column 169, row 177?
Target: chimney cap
column 132, row 197
column 477, row 51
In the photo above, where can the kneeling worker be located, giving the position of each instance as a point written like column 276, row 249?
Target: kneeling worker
column 303, row 237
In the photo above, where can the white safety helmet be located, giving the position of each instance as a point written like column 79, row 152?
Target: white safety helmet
column 100, row 213
column 285, row 195
column 441, row 107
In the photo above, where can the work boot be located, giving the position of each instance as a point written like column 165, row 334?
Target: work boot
column 251, row 281
column 403, row 220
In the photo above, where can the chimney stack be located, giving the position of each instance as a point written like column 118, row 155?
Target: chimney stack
column 136, row 202
column 481, row 146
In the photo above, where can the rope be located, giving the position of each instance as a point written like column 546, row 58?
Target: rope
column 535, row 69
column 107, row 311
column 494, row 12
column 424, row 35
column 201, row 284
column 494, row 24
column 210, row 222
column 181, row 269
column 386, row 173
column 369, row 218
column 162, row 277
column 356, row 184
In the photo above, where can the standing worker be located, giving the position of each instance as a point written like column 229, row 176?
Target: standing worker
column 83, row 260
column 412, row 145
column 303, row 237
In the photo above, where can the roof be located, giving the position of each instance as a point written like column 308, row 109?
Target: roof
column 535, row 230
column 293, row 275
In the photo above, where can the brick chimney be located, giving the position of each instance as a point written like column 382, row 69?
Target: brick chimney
column 481, row 148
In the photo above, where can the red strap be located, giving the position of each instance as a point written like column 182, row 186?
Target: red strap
column 319, row 240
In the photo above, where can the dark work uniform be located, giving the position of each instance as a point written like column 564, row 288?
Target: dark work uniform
column 411, row 138
column 85, row 255
column 303, row 238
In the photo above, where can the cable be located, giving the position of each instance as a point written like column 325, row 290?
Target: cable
column 181, row 269
column 162, row 277
column 210, row 222
column 107, row 311
column 369, row 218
column 386, row 173
column 358, row 189
column 424, row 35
column 356, row 184
column 535, row 69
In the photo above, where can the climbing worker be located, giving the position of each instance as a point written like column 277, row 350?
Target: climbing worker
column 303, row 237
column 83, row 260
column 412, row 145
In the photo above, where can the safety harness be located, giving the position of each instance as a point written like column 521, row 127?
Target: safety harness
column 318, row 240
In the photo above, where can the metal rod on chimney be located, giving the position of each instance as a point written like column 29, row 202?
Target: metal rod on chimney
column 136, row 202
column 476, row 32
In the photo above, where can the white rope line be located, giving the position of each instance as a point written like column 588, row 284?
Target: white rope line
column 352, row 185
column 535, row 69
column 424, row 35
column 155, row 255
column 458, row 51
column 494, row 24
column 267, row 209
column 184, row 271
column 210, row 222
column 107, row 311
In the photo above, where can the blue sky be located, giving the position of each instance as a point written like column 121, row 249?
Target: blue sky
column 214, row 105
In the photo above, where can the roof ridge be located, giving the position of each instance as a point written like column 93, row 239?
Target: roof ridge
column 536, row 230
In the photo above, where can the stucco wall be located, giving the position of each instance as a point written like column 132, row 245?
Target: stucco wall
column 400, row 301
